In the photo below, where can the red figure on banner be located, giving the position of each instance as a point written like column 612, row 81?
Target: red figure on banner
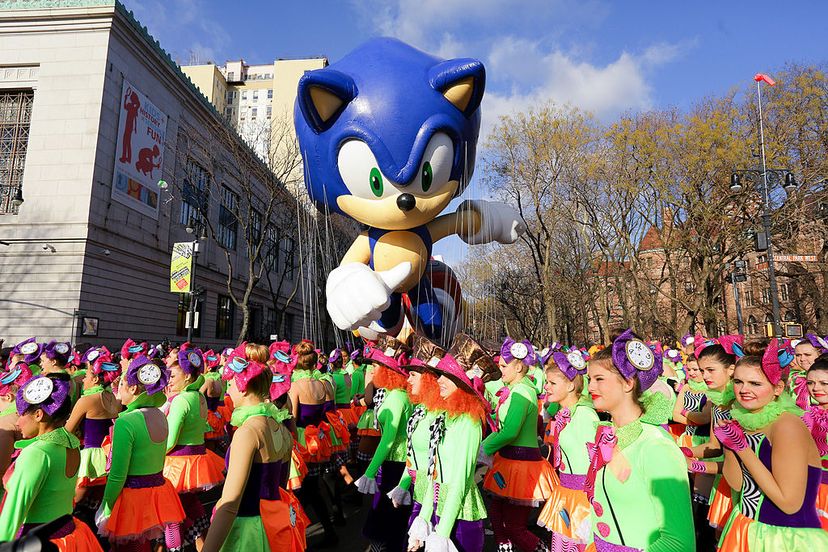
column 145, row 160
column 131, row 104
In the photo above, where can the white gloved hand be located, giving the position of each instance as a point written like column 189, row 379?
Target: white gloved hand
column 498, row 222
column 418, row 532
column 483, row 458
column 366, row 485
column 399, row 497
column 101, row 520
column 439, row 543
column 357, row 295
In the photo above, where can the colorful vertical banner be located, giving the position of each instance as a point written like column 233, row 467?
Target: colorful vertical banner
column 181, row 267
column 139, row 152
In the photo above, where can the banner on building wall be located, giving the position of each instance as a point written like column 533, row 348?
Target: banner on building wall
column 181, row 267
column 139, row 153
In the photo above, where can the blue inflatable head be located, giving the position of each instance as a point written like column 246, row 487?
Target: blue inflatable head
column 389, row 133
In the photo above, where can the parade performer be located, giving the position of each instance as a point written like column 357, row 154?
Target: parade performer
column 307, row 397
column 816, row 418
column 42, row 487
column 716, row 360
column 519, row 478
column 93, row 416
column 424, row 394
column 10, row 382
column 771, row 457
column 255, row 512
column 139, row 504
column 189, row 466
column 805, row 354
column 693, row 410
column 28, row 351
column 452, row 514
column 53, row 360
column 218, row 415
column 368, row 433
column 566, row 514
column 637, row 477
column 386, row 526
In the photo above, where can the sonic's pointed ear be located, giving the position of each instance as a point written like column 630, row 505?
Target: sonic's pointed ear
column 322, row 96
column 461, row 81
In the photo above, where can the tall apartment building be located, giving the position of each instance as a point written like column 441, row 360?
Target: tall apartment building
column 257, row 99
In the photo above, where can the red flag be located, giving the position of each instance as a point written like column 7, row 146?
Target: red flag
column 762, row 77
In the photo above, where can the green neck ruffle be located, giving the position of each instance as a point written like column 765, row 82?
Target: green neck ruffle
column 765, row 416
column 242, row 413
column 59, row 437
column 722, row 398
column 92, row 390
column 697, row 386
column 301, row 374
column 626, row 434
column 145, row 401
column 196, row 385
column 11, row 409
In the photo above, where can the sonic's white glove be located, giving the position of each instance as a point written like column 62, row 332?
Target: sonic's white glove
column 357, row 295
column 438, row 543
column 498, row 222
column 399, row 497
column 418, row 532
column 366, row 485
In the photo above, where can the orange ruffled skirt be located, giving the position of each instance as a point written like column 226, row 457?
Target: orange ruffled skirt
column 298, row 467
column 81, row 539
column 525, row 482
column 142, row 514
column 340, row 428
column 190, row 473
column 822, row 505
column 567, row 514
column 721, row 504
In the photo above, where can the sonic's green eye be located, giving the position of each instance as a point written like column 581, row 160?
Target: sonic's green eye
column 428, row 176
column 376, row 182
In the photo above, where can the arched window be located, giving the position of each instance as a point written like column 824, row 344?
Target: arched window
column 789, row 317
column 753, row 327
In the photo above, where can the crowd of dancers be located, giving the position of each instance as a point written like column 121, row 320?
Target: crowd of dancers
column 701, row 444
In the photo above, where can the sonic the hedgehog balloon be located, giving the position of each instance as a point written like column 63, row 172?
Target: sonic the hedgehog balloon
column 388, row 135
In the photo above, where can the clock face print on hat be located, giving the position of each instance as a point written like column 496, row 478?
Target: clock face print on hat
column 195, row 359
column 28, row 348
column 639, row 354
column 149, row 374
column 38, row 390
column 62, row 348
column 576, row 359
column 519, row 350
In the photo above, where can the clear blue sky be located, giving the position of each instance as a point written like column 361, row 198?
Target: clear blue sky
column 604, row 56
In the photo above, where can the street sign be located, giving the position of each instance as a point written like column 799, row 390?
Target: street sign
column 785, row 258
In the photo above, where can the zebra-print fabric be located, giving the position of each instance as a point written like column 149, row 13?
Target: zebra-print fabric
column 751, row 493
column 437, row 430
column 416, row 416
column 379, row 398
column 693, row 403
column 720, row 415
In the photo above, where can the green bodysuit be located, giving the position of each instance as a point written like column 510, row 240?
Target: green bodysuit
column 646, row 506
column 39, row 490
column 458, row 497
column 417, row 460
column 392, row 416
column 133, row 451
column 519, row 426
column 187, row 417
column 573, row 438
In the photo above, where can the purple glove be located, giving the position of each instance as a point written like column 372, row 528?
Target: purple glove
column 731, row 435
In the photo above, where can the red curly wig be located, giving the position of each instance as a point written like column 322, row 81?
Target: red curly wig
column 465, row 402
column 429, row 395
column 388, row 379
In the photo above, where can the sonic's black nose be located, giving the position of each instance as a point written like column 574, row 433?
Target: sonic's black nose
column 406, row 202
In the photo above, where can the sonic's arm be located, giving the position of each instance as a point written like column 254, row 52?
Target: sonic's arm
column 359, row 252
column 479, row 221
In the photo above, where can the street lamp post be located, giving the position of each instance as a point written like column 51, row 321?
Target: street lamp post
column 197, row 228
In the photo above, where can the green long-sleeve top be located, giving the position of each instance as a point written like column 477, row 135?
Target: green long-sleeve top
column 39, row 490
column 537, row 378
column 392, row 416
column 518, row 419
column 650, row 501
column 417, row 461
column 357, row 380
column 188, row 417
column 573, row 439
column 342, row 392
column 458, row 497
column 133, row 450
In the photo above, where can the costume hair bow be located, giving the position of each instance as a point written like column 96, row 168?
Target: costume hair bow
column 770, row 362
column 634, row 359
column 819, row 343
column 18, row 375
column 92, row 353
column 241, row 370
column 562, row 419
column 571, row 364
column 30, row 349
column 211, row 359
column 147, row 372
column 57, row 350
column 42, row 392
column 130, row 349
column 600, row 454
column 518, row 350
column 191, row 361
column 816, row 419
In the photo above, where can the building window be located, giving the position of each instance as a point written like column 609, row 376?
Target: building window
column 15, row 116
column 255, row 94
column 288, row 246
column 244, row 94
column 225, row 314
column 269, row 110
column 753, row 327
column 269, row 93
column 766, row 296
column 183, row 307
column 229, row 96
column 271, row 328
column 748, row 297
column 253, row 113
column 789, row 317
column 194, row 204
column 228, row 112
column 272, row 249
column 785, row 292
column 228, row 223
column 288, row 320
column 255, row 227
